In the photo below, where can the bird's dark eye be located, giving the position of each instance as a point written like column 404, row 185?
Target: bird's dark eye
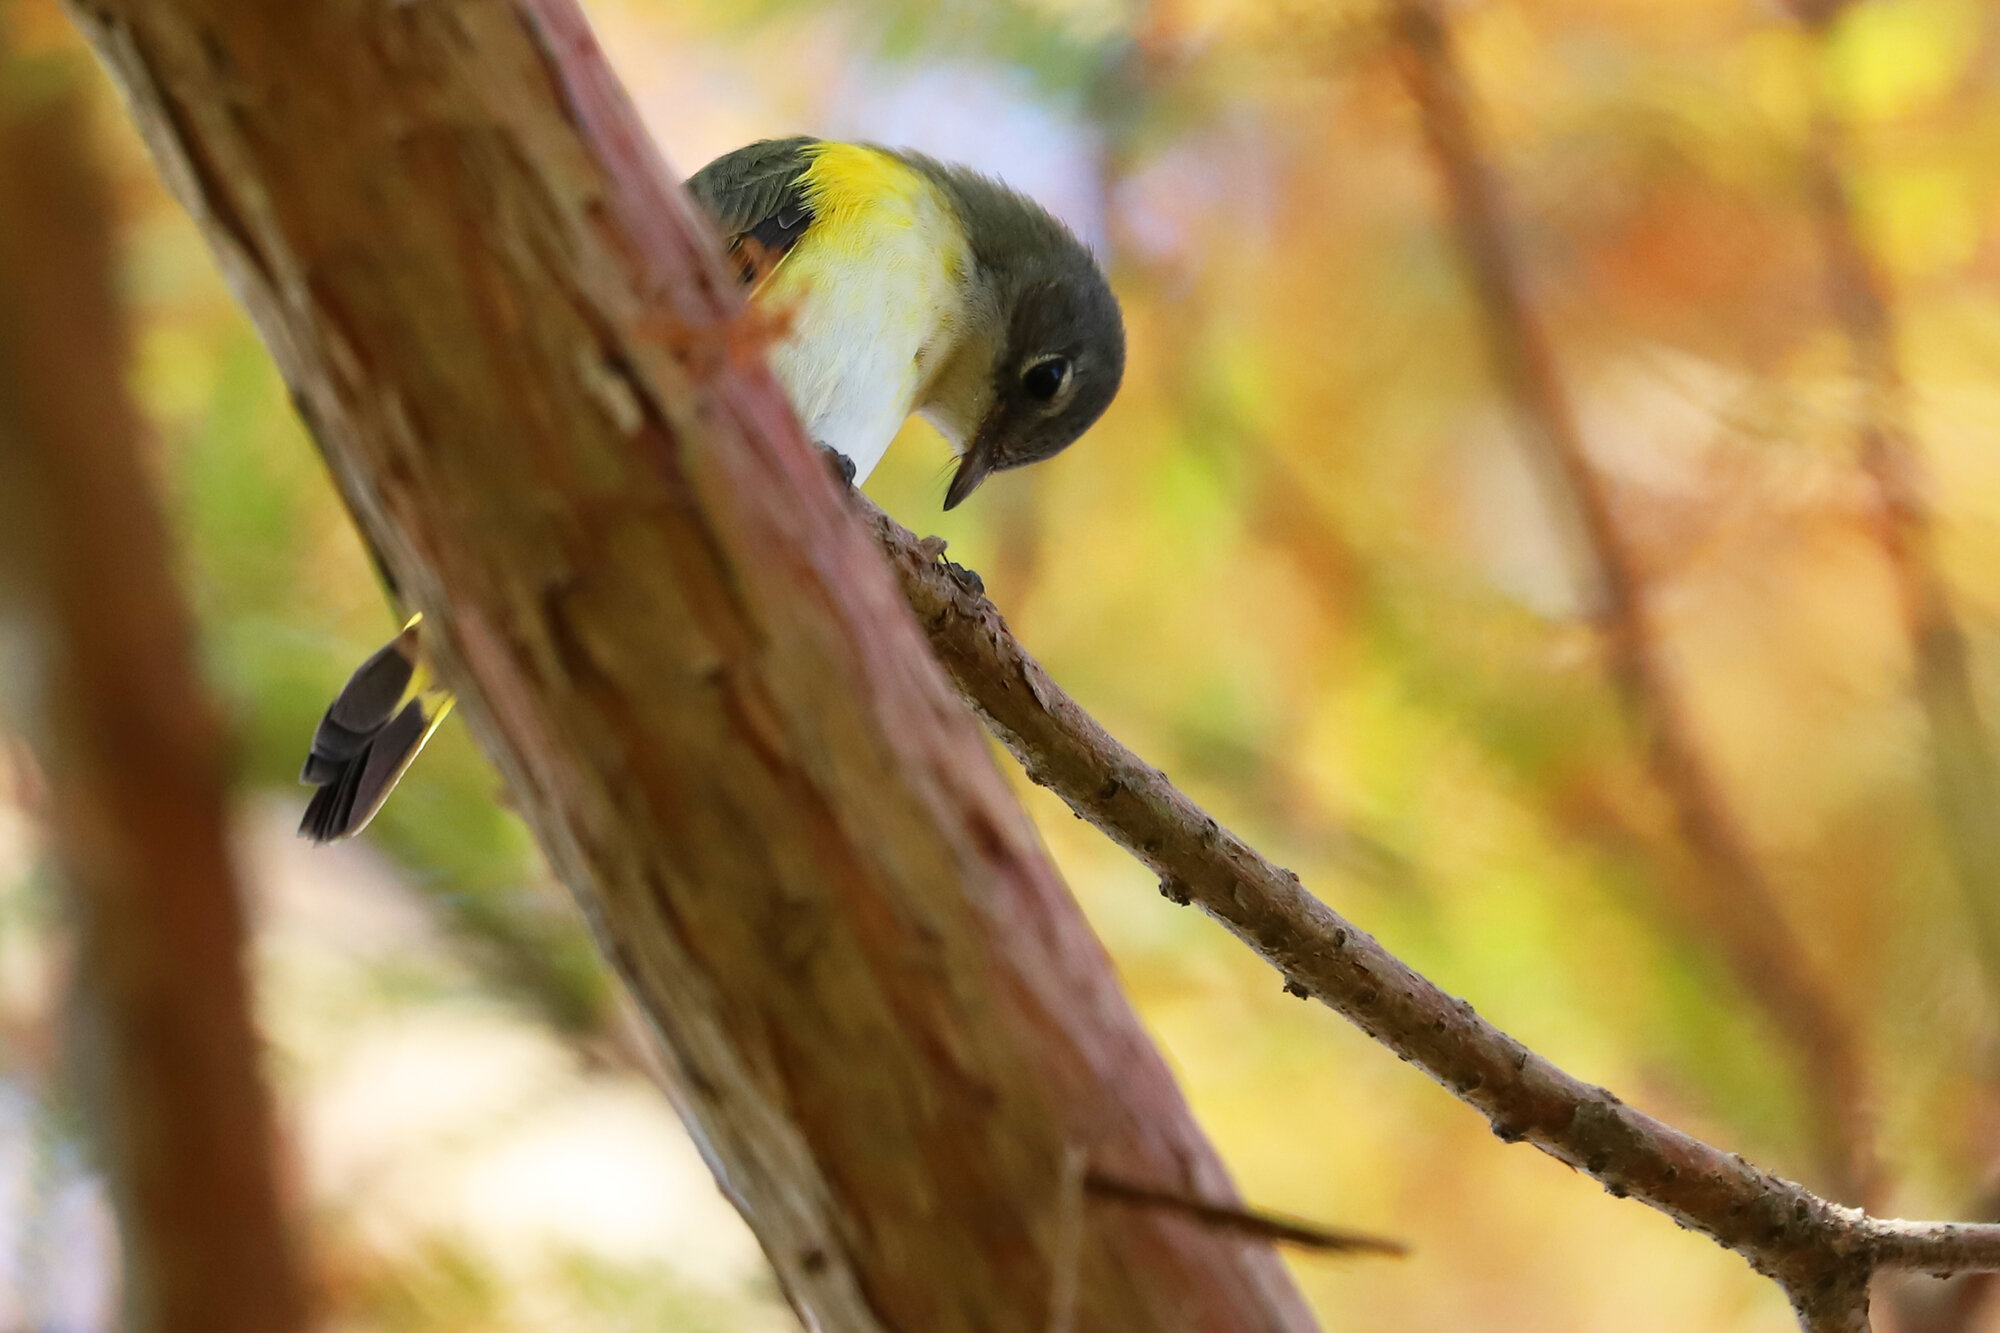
column 1045, row 379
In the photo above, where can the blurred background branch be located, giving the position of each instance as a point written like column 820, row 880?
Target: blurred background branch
column 133, row 752
column 1301, row 564
column 1965, row 777
column 1728, row 903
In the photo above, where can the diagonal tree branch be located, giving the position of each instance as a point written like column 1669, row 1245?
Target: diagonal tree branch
column 885, row 1019
column 526, row 211
column 1820, row 1252
column 1735, row 904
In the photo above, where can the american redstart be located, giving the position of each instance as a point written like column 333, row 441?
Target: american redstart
column 904, row 285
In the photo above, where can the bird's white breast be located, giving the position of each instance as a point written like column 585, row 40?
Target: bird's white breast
column 872, row 298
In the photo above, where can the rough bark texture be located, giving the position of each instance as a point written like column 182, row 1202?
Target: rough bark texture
column 888, row 1024
column 134, row 760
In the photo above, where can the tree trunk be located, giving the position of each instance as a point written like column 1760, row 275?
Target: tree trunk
column 891, row 1030
column 134, row 758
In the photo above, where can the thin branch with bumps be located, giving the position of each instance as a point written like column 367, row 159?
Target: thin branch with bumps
column 1821, row 1253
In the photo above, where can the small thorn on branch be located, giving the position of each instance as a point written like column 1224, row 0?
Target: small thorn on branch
column 1252, row 1222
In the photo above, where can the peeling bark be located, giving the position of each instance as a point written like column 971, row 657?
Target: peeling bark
column 888, row 1025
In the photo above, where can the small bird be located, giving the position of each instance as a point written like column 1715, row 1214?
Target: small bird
column 903, row 285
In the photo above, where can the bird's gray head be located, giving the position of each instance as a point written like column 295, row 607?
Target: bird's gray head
column 1047, row 348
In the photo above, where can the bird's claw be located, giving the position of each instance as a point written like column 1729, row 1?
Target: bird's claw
column 967, row 579
column 933, row 549
column 842, row 465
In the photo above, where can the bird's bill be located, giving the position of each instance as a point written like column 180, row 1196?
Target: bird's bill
column 972, row 470
column 976, row 463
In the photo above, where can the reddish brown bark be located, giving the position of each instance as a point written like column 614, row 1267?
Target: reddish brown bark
column 134, row 763
column 887, row 1022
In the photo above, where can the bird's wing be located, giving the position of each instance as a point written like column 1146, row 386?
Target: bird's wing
column 756, row 197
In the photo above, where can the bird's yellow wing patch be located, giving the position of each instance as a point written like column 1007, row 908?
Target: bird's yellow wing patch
column 856, row 193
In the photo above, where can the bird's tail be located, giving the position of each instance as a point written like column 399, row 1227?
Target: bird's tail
column 372, row 730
